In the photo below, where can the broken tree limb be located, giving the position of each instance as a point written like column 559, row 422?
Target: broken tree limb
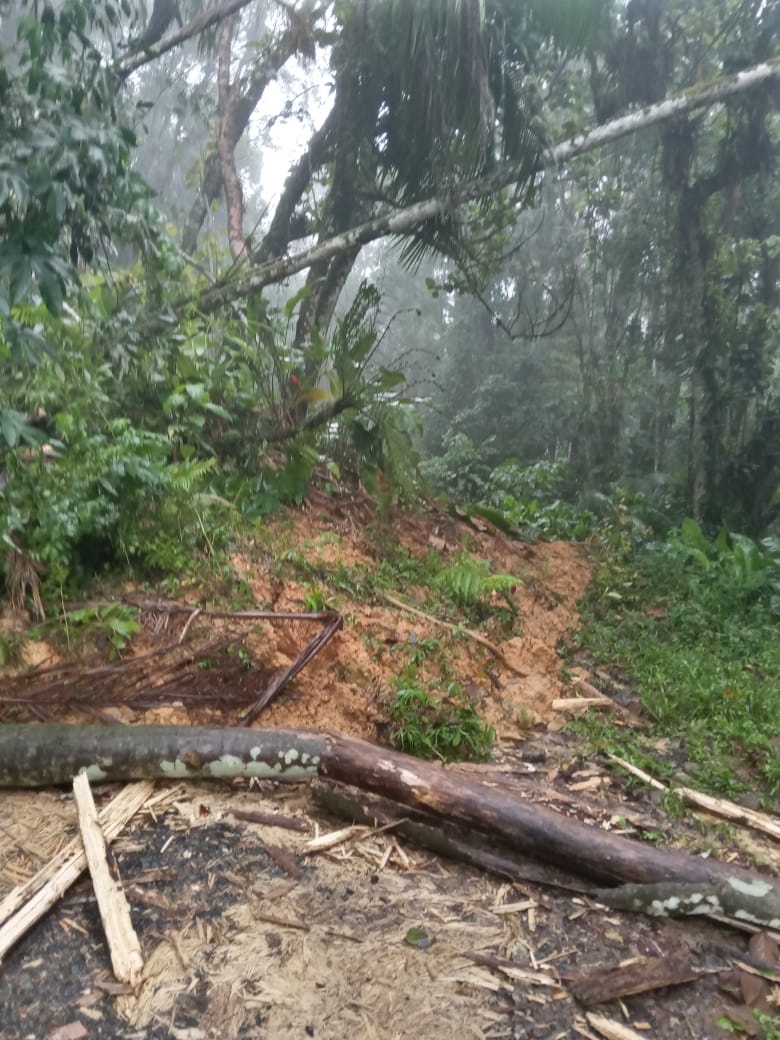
column 38, row 755
column 400, row 221
column 27, row 903
column 495, row 651
column 123, row 945
column 426, row 833
column 717, row 806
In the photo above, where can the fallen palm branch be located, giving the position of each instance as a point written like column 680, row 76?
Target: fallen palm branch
column 333, row 623
column 210, row 674
column 39, row 755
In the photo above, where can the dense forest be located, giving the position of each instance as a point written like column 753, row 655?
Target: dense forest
column 496, row 284
column 252, row 239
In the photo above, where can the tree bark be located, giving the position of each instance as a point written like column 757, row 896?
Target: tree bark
column 39, row 755
column 237, row 103
column 227, row 140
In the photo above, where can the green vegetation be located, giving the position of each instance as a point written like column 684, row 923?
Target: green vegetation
column 768, row 1026
column 693, row 623
column 449, row 730
column 552, row 357
column 469, row 584
column 115, row 622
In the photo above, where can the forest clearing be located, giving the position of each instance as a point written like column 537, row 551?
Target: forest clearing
column 389, row 519
column 265, row 909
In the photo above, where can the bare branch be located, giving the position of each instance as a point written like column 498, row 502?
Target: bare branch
column 131, row 62
column 401, row 221
column 276, row 240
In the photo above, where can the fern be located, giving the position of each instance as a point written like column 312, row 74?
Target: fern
column 469, row 583
column 189, row 475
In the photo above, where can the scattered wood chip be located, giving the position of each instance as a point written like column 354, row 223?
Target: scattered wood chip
column 323, row 842
column 27, row 903
column 284, row 859
column 277, row 890
column 290, row 823
column 124, row 947
column 71, row 1031
column 514, row 908
column 610, row 1029
column 512, row 970
column 282, row 922
column 136, row 894
column 113, row 988
column 639, row 975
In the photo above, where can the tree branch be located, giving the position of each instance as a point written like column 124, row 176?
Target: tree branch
column 276, row 240
column 131, row 62
column 399, row 222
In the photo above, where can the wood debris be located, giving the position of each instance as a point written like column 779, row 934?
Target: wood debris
column 124, row 947
column 717, row 806
column 637, row 975
column 612, row 1030
column 27, row 903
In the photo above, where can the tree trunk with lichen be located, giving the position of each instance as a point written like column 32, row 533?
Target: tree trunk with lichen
column 39, row 755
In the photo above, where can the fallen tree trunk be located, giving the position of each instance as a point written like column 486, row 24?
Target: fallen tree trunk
column 40, row 755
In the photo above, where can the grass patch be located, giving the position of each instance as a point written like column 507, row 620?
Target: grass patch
column 450, row 730
column 696, row 629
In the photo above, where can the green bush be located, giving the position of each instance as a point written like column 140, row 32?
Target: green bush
column 104, row 500
column 693, row 622
column 450, row 730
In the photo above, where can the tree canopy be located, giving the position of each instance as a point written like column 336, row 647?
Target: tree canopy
column 214, row 220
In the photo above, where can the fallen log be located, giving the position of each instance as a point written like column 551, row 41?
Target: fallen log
column 756, row 901
column 49, row 754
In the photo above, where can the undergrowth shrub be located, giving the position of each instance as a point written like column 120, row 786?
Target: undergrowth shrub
column 105, row 499
column 449, row 730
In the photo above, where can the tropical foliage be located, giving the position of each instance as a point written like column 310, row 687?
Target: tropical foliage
column 587, row 351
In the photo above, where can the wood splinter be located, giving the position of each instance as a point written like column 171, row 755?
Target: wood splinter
column 124, row 947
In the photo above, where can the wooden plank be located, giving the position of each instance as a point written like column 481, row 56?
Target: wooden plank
column 740, row 814
column 638, row 975
column 27, row 903
column 124, row 947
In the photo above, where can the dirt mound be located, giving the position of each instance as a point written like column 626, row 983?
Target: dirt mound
column 507, row 662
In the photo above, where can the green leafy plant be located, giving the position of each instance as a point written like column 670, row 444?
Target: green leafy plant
column 116, row 622
column 448, row 730
column 692, row 622
column 111, row 498
column 315, row 599
column 469, row 584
